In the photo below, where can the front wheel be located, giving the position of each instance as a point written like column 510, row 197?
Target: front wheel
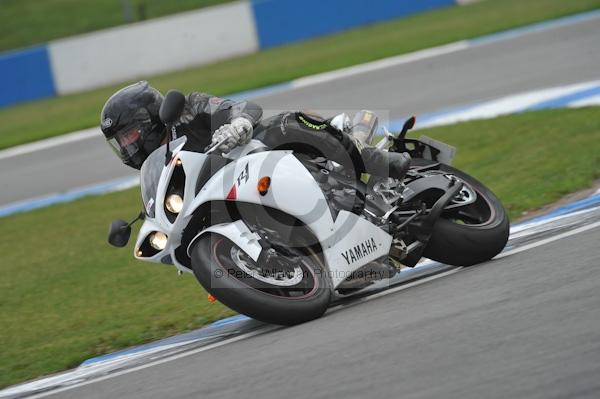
column 472, row 233
column 285, row 287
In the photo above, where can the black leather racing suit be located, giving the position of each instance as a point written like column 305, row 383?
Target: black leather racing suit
column 203, row 114
column 298, row 131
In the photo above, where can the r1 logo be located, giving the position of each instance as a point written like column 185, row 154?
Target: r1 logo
column 243, row 176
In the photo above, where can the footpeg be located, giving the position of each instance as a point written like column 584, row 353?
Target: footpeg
column 399, row 250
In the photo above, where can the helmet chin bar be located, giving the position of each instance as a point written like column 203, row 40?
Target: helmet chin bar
column 136, row 160
column 153, row 138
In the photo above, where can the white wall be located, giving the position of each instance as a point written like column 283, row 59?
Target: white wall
column 156, row 46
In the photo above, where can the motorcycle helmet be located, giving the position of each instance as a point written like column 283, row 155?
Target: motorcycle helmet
column 130, row 123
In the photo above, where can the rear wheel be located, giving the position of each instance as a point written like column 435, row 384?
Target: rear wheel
column 285, row 287
column 474, row 227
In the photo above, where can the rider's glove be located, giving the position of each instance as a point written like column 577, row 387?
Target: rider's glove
column 238, row 132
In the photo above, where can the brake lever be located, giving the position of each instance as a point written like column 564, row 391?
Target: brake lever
column 209, row 149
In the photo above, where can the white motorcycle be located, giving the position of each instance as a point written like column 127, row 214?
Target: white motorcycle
column 275, row 235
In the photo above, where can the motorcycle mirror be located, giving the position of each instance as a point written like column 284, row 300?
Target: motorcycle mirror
column 119, row 233
column 171, row 107
column 409, row 124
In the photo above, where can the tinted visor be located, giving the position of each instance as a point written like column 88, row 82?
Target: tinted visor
column 127, row 144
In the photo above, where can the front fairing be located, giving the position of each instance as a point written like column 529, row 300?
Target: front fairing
column 151, row 172
column 154, row 180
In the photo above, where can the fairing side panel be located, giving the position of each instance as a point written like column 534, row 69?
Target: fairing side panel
column 293, row 189
column 355, row 242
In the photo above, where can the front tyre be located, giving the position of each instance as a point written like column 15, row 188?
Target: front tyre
column 282, row 288
column 469, row 234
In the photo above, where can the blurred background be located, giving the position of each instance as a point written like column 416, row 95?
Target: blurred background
column 513, row 84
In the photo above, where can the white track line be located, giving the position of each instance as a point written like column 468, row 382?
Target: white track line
column 586, row 102
column 157, row 362
column 49, row 143
column 528, row 228
column 515, row 103
column 379, row 64
column 548, row 240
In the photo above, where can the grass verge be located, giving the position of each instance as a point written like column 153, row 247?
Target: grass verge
column 67, row 295
column 55, row 116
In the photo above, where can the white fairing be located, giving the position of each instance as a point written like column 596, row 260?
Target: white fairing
column 242, row 151
column 293, row 189
column 348, row 242
column 355, row 242
column 446, row 152
column 238, row 233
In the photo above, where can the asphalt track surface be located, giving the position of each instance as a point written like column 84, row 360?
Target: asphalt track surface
column 523, row 326
column 553, row 57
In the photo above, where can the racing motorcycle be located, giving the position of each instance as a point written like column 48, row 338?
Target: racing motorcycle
column 276, row 235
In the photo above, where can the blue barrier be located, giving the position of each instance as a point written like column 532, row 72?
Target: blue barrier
column 25, row 75
column 284, row 21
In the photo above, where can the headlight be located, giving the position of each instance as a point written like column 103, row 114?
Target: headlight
column 158, row 240
column 174, row 203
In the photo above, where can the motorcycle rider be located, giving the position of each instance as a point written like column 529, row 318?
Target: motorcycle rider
column 131, row 125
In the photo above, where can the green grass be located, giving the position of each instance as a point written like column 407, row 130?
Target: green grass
column 27, row 22
column 67, row 295
column 51, row 117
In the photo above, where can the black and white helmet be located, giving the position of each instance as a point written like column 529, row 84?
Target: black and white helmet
column 130, row 123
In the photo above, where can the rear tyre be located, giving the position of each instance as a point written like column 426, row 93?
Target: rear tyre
column 284, row 289
column 472, row 234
